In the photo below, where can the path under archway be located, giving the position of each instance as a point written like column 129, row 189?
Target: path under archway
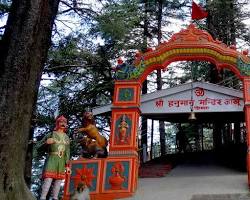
column 195, row 182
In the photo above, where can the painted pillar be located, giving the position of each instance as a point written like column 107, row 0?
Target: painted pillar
column 123, row 138
column 246, row 83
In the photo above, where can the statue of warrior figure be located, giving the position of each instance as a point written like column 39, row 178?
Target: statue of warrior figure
column 58, row 156
column 93, row 143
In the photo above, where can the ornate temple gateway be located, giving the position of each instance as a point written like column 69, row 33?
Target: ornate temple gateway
column 117, row 175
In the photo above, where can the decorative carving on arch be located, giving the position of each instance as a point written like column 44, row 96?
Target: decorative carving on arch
column 191, row 34
column 190, row 44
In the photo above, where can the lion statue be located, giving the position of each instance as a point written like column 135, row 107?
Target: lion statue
column 93, row 144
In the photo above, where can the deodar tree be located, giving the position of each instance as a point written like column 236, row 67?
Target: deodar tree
column 23, row 51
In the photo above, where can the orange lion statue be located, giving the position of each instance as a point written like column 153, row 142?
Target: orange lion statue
column 93, row 144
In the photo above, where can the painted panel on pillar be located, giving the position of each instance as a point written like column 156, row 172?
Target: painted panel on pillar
column 126, row 94
column 117, row 176
column 123, row 132
column 84, row 172
column 123, row 127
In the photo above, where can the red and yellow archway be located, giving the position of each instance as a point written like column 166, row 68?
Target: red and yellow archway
column 117, row 175
column 191, row 44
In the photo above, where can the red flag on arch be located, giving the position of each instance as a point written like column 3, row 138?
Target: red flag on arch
column 198, row 12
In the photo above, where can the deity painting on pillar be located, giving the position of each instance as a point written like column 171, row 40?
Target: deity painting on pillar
column 123, row 130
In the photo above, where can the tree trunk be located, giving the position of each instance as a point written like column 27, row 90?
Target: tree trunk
column 28, row 159
column 144, row 127
column 159, row 79
column 23, row 51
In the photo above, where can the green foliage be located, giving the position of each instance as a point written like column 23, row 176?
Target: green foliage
column 36, row 178
column 226, row 20
column 79, row 79
column 119, row 26
column 4, row 9
column 118, row 20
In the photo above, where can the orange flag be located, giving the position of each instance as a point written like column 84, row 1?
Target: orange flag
column 198, row 12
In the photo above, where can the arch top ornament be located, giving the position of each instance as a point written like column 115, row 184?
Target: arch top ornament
column 191, row 34
column 190, row 44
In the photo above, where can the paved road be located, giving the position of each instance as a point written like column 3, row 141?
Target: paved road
column 195, row 182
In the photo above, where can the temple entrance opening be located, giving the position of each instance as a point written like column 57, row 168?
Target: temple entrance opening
column 199, row 113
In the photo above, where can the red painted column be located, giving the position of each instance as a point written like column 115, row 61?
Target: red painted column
column 246, row 83
column 123, row 139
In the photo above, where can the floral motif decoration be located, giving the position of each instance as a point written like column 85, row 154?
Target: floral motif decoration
column 84, row 175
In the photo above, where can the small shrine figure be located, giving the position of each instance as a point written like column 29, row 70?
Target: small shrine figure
column 94, row 143
column 117, row 179
column 123, row 127
column 58, row 156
